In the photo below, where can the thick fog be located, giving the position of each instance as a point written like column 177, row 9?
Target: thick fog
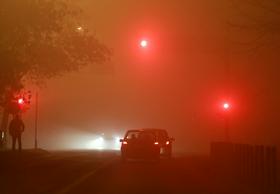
column 178, row 83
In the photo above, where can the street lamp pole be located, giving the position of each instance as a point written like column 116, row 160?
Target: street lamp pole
column 36, row 121
column 227, row 135
column 226, row 109
column 227, row 74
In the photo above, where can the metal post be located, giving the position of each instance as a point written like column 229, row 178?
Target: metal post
column 227, row 136
column 227, row 71
column 36, row 121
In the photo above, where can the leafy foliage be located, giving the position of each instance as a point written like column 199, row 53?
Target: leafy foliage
column 40, row 39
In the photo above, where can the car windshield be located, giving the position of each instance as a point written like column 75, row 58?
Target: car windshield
column 132, row 135
column 140, row 135
column 162, row 135
column 146, row 136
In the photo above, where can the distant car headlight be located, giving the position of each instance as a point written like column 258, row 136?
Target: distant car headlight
column 117, row 140
column 103, row 143
column 96, row 143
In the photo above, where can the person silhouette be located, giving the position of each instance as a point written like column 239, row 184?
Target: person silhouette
column 16, row 128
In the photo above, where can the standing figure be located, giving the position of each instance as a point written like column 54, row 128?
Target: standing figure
column 16, row 128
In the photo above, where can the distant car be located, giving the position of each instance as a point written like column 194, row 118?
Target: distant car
column 164, row 141
column 146, row 144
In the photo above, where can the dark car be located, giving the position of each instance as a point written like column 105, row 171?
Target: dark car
column 146, row 144
column 164, row 141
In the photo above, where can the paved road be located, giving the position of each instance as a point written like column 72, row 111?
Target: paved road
column 82, row 172
column 46, row 172
column 184, row 175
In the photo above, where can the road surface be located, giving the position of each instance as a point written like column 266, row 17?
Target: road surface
column 100, row 172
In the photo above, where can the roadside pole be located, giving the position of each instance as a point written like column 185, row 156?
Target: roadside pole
column 36, row 121
column 227, row 135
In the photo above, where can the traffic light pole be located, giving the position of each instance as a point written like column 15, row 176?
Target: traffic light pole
column 227, row 136
column 227, row 76
column 36, row 121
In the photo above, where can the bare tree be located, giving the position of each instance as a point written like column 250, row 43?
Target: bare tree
column 257, row 22
column 40, row 39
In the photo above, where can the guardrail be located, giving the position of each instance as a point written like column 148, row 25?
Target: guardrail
column 254, row 165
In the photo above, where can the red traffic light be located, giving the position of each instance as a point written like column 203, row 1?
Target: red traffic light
column 226, row 105
column 20, row 101
column 143, row 43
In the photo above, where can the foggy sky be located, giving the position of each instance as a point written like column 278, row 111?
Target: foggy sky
column 177, row 85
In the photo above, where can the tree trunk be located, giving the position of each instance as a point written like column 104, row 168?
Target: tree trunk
column 4, row 129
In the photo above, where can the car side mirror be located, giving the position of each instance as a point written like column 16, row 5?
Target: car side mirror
column 121, row 140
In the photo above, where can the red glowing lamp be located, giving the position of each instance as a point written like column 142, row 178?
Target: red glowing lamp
column 226, row 105
column 20, row 101
column 144, row 43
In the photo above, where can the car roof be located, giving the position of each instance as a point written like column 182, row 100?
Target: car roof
column 152, row 129
column 145, row 129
